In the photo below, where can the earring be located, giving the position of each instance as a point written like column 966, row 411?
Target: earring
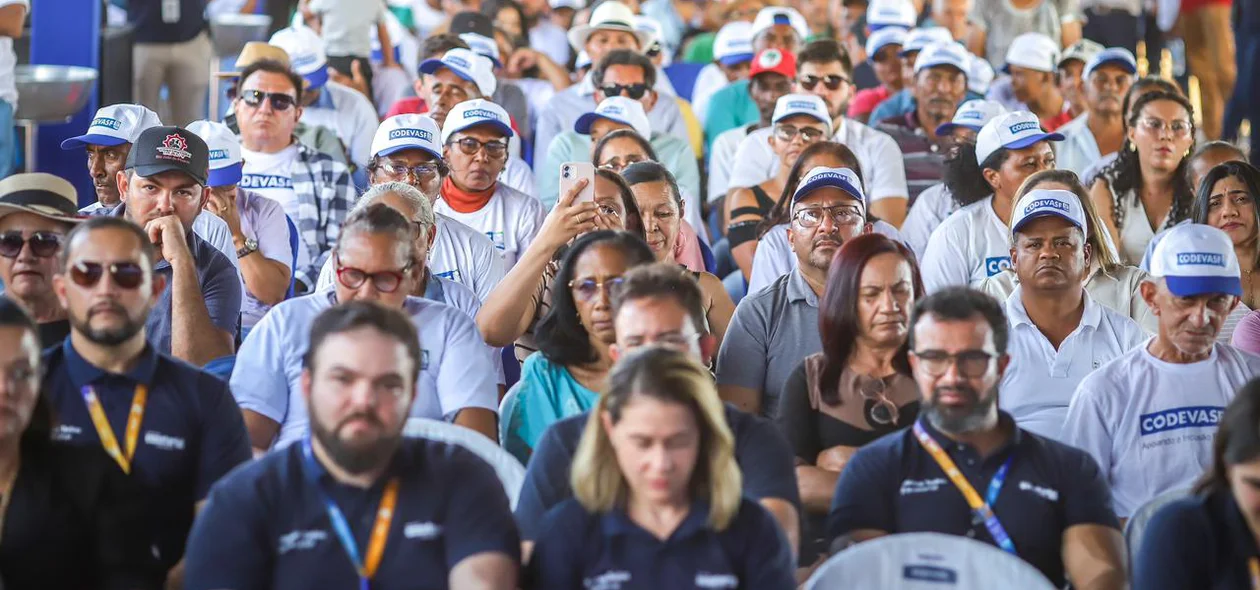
column 1132, row 148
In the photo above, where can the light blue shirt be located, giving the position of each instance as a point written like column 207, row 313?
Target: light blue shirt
column 675, row 154
column 566, row 106
column 546, row 394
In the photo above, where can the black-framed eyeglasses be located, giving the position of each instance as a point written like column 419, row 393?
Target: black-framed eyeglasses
column 43, row 243
column 385, row 281
column 786, row 133
column 588, row 289
column 811, row 217
column 495, row 149
column 831, row 81
column 632, row 91
column 398, row 170
column 279, row 100
column 971, row 363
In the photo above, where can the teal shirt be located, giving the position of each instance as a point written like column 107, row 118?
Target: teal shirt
column 674, row 153
column 729, row 108
column 547, row 393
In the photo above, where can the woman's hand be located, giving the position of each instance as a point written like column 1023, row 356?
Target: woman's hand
column 568, row 219
column 835, row 458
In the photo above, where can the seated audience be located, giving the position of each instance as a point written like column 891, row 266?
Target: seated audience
column 1032, row 62
column 1053, row 515
column 1226, row 200
column 882, row 49
column 904, row 101
column 1100, row 130
column 290, row 519
column 37, row 210
column 859, row 387
column 617, row 150
column 732, row 56
column 1140, row 86
column 657, row 491
column 1071, row 73
column 771, row 76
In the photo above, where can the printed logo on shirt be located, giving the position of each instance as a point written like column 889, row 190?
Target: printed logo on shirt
column 1044, row 492
column 921, row 486
column 65, row 432
column 1024, row 126
column 163, row 441
column 609, row 580
column 996, row 264
column 300, row 541
column 707, row 580
column 263, row 181
column 929, row 573
column 1179, row 418
column 111, row 123
column 497, row 238
column 1200, row 259
column 1055, row 204
column 425, row 531
column 420, row 134
column 452, row 275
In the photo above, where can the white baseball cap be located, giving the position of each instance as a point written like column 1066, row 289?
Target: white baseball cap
column 1081, row 51
column 1115, row 56
column 473, row 113
column 306, row 53
column 648, row 24
column 225, row 152
column 790, row 105
column 779, row 15
column 883, row 38
column 613, row 16
column 483, row 45
column 944, row 54
column 1042, row 202
column 890, row 13
column 574, row 4
column 733, row 43
column 466, row 64
column 822, row 176
column 920, row 39
column 407, row 132
column 1013, row 131
column 1034, row 51
column 113, row 125
column 973, row 115
column 979, row 75
column 1196, row 259
column 617, row 109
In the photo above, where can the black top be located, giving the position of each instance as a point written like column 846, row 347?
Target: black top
column 152, row 26
column 811, row 432
column 1196, row 543
column 75, row 522
column 52, row 333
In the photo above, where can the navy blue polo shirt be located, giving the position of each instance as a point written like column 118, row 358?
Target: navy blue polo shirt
column 191, row 433
column 1201, row 542
column 150, row 27
column 580, row 549
column 894, row 485
column 762, row 452
column 266, row 527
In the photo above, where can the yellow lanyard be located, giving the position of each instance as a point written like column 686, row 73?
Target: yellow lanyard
column 106, row 432
column 1253, row 564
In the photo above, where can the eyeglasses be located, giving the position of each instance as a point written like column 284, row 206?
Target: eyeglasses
column 632, row 91
column 385, row 281
column 882, row 411
column 421, row 172
column 588, row 289
column 127, row 275
column 832, row 82
column 1179, row 128
column 971, row 363
column 618, row 164
column 43, row 243
column 812, row 217
column 669, row 340
column 786, row 133
column 470, row 146
column 279, row 100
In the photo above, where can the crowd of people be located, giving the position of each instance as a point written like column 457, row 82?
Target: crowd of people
column 865, row 269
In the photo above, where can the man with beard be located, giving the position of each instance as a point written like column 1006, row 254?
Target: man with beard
column 1059, row 334
column 375, row 259
column 1043, row 501
column 1100, row 131
column 1149, row 416
column 939, row 85
column 773, row 329
column 354, row 504
column 36, row 212
column 173, row 429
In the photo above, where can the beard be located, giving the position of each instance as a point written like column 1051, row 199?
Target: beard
column 111, row 336
column 356, row 458
column 969, row 418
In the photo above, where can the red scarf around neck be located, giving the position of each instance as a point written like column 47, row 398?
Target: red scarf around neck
column 464, row 201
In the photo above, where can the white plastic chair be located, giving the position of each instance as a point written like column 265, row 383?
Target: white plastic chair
column 505, row 408
column 510, row 471
column 1136, row 527
column 927, row 561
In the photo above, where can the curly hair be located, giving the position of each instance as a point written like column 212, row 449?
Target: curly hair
column 1124, row 175
column 964, row 176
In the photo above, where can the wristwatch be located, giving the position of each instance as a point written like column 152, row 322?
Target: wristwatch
column 250, row 247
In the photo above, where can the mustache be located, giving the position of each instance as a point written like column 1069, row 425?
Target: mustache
column 371, row 419
column 108, row 306
column 966, row 392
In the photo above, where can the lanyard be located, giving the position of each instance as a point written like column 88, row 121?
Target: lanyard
column 380, row 530
column 106, row 433
column 1253, row 565
column 982, row 508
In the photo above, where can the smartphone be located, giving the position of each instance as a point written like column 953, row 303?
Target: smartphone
column 570, row 173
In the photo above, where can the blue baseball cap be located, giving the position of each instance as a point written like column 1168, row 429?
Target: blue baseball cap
column 824, row 177
column 1116, row 56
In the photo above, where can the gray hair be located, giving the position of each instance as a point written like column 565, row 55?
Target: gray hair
column 422, row 209
column 380, row 219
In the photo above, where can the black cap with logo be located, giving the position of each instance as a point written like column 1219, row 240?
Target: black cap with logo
column 472, row 22
column 162, row 149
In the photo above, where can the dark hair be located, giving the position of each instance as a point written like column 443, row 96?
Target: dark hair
column 838, row 321
column 1142, row 86
column 350, row 316
column 1244, row 172
column 959, row 304
column 825, row 51
column 1201, row 151
column 491, row 9
column 624, row 57
column 274, row 67
column 1237, row 439
column 561, row 337
column 782, row 208
column 618, row 134
column 641, row 172
column 964, row 176
column 435, row 46
column 665, row 280
column 38, row 433
column 91, row 224
column 1125, row 173
column 634, row 219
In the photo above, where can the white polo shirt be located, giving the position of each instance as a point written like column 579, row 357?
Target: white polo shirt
column 1150, row 424
column 969, row 246
column 1040, row 381
column 932, row 206
column 510, row 219
column 775, row 258
column 883, row 169
column 457, row 370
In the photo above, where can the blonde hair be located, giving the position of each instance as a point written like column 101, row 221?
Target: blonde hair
column 1099, row 241
column 666, row 375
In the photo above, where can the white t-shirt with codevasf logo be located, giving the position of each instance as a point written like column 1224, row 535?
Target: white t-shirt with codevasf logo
column 271, row 175
column 510, row 219
column 969, row 246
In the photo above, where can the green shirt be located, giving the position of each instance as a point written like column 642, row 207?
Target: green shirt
column 729, row 108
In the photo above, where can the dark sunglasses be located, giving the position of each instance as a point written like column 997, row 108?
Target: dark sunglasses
column 632, row 91
column 832, row 82
column 385, row 281
column 43, row 243
column 470, row 146
column 279, row 100
column 127, row 275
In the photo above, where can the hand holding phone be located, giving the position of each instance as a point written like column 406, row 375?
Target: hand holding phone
column 570, row 173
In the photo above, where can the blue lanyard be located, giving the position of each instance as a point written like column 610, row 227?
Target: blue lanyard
column 982, row 509
column 341, row 527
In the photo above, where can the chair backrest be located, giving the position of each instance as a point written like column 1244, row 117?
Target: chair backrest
column 710, row 261
column 930, row 561
column 1136, row 527
column 510, row 471
column 683, row 76
column 293, row 246
column 505, row 409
